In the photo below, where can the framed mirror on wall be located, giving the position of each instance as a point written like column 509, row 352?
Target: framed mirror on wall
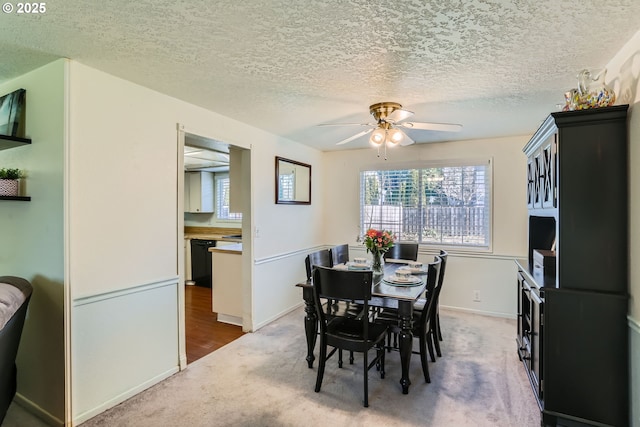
column 293, row 182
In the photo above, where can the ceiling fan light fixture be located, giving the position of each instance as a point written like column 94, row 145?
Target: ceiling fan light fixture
column 395, row 137
column 390, row 120
column 378, row 137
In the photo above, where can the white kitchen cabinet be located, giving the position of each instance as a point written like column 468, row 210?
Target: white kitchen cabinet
column 198, row 192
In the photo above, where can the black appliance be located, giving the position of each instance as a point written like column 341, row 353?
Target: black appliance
column 201, row 261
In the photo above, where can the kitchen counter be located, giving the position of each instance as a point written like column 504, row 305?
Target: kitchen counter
column 213, row 233
column 235, row 248
column 219, row 237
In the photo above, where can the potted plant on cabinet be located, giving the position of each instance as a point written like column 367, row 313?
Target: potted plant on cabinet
column 9, row 181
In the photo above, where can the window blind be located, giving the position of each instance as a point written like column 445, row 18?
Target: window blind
column 444, row 205
column 222, row 200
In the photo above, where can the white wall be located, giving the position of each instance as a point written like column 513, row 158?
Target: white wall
column 283, row 234
column 123, row 233
column 623, row 73
column 33, row 240
column 492, row 273
column 122, row 238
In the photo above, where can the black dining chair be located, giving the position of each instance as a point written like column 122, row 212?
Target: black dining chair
column 318, row 258
column 354, row 334
column 421, row 319
column 339, row 254
column 403, row 250
column 435, row 321
column 420, row 303
column 436, row 311
column 321, row 258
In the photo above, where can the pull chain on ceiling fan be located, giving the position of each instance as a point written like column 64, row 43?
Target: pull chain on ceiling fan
column 390, row 117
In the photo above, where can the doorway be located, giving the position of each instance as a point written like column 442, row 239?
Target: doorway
column 203, row 333
column 200, row 332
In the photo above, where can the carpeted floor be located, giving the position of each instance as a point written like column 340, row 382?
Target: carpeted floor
column 262, row 379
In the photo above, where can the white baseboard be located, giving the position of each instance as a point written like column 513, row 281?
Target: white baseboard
column 279, row 315
column 482, row 312
column 183, row 361
column 37, row 411
column 80, row 418
column 232, row 320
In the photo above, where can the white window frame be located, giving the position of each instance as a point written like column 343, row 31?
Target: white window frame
column 219, row 208
column 397, row 223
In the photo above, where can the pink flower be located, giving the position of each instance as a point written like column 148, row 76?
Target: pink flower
column 378, row 241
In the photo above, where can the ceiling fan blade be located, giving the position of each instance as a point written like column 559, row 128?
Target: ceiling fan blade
column 443, row 127
column 357, row 135
column 399, row 115
column 406, row 140
column 347, row 124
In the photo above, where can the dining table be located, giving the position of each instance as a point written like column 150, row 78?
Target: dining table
column 383, row 295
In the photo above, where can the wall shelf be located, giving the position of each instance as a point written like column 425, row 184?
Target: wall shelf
column 20, row 198
column 7, row 141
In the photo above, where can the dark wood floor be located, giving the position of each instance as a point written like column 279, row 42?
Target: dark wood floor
column 204, row 333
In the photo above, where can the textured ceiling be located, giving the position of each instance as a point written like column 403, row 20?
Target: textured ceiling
column 497, row 67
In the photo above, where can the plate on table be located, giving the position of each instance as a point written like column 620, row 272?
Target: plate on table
column 418, row 270
column 402, row 281
column 358, row 266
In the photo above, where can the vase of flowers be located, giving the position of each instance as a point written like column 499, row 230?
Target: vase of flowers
column 378, row 242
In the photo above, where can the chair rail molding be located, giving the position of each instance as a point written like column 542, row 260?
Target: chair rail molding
column 284, row 255
column 90, row 299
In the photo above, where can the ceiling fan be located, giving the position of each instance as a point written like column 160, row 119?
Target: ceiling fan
column 390, row 118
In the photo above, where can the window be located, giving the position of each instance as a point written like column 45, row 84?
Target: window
column 285, row 189
column 222, row 199
column 443, row 205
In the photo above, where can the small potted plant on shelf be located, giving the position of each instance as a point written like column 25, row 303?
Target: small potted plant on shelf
column 9, row 181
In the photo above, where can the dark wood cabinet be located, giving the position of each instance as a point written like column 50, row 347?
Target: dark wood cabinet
column 586, row 375
column 572, row 330
column 530, row 329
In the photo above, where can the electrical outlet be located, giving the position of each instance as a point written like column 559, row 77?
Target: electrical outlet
column 257, row 233
column 476, row 296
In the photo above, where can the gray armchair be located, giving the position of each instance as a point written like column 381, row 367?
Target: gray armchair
column 15, row 294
